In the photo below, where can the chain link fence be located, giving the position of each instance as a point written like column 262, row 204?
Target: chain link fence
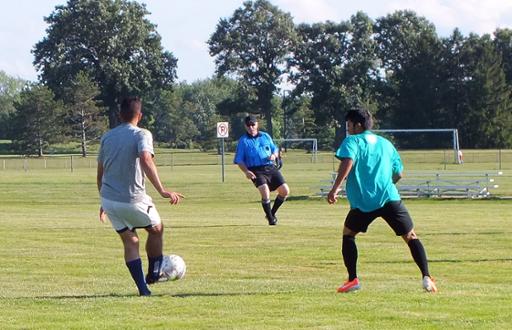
column 495, row 159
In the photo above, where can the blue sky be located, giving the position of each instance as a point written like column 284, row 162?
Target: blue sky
column 186, row 25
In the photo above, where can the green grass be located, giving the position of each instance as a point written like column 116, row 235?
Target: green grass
column 60, row 268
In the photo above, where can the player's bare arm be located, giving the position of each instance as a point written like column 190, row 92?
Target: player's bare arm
column 99, row 179
column 248, row 174
column 343, row 171
column 396, row 177
column 149, row 168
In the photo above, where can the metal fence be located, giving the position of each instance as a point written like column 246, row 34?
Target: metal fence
column 488, row 159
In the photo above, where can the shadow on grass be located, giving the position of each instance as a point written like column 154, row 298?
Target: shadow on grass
column 297, row 198
column 441, row 261
column 214, row 226
column 117, row 295
column 290, row 198
column 213, row 294
column 81, row 296
column 467, row 233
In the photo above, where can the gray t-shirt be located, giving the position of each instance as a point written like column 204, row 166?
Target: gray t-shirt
column 123, row 178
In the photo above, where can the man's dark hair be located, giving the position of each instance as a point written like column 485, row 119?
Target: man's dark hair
column 130, row 107
column 361, row 116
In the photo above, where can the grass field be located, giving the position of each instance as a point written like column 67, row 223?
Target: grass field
column 60, row 268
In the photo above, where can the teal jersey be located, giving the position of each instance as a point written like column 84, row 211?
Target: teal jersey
column 370, row 181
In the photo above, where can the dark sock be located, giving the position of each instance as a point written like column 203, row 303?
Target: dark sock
column 155, row 265
column 135, row 268
column 265, row 203
column 349, row 251
column 419, row 255
column 277, row 204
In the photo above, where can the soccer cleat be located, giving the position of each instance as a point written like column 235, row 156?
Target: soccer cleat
column 150, row 280
column 272, row 222
column 429, row 284
column 162, row 277
column 349, row 286
column 144, row 292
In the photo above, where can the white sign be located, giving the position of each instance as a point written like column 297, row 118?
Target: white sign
column 223, row 129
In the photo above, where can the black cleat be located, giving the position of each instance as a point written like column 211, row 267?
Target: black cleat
column 272, row 221
column 150, row 280
column 145, row 293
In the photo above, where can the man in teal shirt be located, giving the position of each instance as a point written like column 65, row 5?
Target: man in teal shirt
column 372, row 166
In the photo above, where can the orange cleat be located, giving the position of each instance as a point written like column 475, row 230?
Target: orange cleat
column 349, row 286
column 429, row 284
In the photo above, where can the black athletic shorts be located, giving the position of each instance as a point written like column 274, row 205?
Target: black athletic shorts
column 269, row 175
column 394, row 213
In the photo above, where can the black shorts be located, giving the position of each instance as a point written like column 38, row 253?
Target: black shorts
column 269, row 175
column 394, row 213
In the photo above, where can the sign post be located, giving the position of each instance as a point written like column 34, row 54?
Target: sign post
column 222, row 133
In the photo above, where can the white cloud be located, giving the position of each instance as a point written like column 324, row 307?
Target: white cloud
column 309, row 11
column 469, row 15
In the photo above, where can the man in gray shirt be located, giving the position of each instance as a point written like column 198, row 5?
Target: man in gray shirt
column 126, row 154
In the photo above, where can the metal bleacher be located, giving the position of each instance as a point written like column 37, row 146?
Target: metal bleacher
column 448, row 184
column 443, row 184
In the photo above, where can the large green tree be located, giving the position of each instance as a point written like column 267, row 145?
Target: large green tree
column 207, row 95
column 38, row 120
column 452, row 73
column 253, row 45
column 335, row 63
column 503, row 44
column 83, row 113
column 10, row 89
column 191, row 111
column 409, row 50
column 173, row 124
column 487, row 121
column 112, row 41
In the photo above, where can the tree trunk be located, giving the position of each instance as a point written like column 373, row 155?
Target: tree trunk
column 113, row 118
column 84, row 142
column 338, row 137
column 83, row 136
column 265, row 94
column 40, row 148
column 340, row 133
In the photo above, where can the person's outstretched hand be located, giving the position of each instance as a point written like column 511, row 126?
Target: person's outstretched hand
column 174, row 197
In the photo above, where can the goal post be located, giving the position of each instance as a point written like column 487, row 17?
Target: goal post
column 457, row 155
column 312, row 141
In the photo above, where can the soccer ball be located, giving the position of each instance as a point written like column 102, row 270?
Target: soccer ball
column 173, row 267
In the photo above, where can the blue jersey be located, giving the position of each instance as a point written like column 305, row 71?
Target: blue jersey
column 255, row 150
column 370, row 181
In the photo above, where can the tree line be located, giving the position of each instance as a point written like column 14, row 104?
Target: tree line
column 300, row 78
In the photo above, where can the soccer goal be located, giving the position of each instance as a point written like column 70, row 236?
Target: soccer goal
column 309, row 144
column 453, row 132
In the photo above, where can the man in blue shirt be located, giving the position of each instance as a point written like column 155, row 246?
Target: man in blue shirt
column 372, row 166
column 255, row 155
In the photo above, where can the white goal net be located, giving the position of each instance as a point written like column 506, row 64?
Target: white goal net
column 425, row 138
column 309, row 145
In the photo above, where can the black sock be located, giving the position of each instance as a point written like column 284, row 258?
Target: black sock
column 135, row 268
column 265, row 203
column 277, row 204
column 419, row 255
column 349, row 251
column 155, row 265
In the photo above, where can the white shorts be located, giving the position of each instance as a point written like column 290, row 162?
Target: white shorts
column 127, row 216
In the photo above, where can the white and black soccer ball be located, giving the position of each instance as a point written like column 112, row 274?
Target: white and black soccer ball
column 173, row 267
